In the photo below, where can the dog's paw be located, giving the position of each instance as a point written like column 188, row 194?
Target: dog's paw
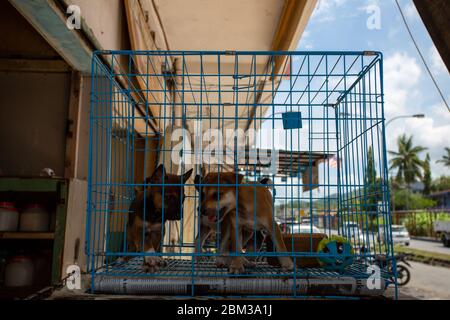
column 222, row 262
column 162, row 263
column 286, row 264
column 152, row 264
column 236, row 266
column 249, row 263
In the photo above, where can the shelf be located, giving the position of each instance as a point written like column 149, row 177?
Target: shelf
column 27, row 235
column 53, row 192
column 8, row 184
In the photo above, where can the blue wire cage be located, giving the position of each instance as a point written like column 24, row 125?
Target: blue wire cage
column 307, row 127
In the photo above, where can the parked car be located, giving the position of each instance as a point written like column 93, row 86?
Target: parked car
column 297, row 228
column 442, row 230
column 352, row 232
column 305, row 228
column 400, row 235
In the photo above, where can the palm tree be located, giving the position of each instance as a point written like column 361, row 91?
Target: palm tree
column 406, row 160
column 445, row 158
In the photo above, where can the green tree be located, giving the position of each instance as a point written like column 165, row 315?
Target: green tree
column 427, row 175
column 445, row 158
column 371, row 194
column 406, row 160
column 441, row 183
column 407, row 200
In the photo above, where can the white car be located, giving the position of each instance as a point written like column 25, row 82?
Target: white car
column 305, row 228
column 400, row 235
column 300, row 229
column 352, row 232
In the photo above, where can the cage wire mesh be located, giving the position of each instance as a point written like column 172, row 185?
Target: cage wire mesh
column 288, row 193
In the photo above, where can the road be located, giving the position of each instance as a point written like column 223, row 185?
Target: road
column 428, row 282
column 429, row 246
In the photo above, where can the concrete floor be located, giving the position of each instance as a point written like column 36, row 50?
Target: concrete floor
column 428, row 282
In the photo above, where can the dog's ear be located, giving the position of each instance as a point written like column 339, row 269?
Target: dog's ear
column 187, row 175
column 266, row 181
column 197, row 181
column 157, row 175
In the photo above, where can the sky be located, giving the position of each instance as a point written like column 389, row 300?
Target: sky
column 350, row 25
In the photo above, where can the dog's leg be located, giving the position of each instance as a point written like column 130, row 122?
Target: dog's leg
column 249, row 262
column 130, row 248
column 156, row 237
column 274, row 233
column 132, row 238
column 205, row 233
column 152, row 240
column 223, row 260
column 237, row 263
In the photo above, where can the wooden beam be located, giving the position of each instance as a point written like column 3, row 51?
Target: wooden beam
column 141, row 39
column 292, row 23
column 435, row 15
column 287, row 25
column 75, row 225
column 73, row 127
column 27, row 65
column 48, row 19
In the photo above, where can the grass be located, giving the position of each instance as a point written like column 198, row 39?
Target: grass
column 425, row 256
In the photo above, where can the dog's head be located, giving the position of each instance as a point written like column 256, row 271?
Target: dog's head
column 166, row 193
column 218, row 195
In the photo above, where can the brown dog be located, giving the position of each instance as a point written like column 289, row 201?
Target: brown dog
column 208, row 229
column 246, row 209
column 163, row 200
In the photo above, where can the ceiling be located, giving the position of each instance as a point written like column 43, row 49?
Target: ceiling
column 219, row 25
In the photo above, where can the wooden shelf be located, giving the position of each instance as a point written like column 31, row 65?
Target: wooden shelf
column 9, row 184
column 53, row 190
column 27, row 235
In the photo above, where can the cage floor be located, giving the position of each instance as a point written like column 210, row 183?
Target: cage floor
column 183, row 277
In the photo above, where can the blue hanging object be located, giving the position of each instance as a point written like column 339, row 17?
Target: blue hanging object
column 292, row 120
column 339, row 253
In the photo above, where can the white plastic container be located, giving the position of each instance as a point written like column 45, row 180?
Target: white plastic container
column 19, row 272
column 34, row 219
column 9, row 217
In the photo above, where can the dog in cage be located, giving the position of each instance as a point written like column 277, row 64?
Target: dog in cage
column 162, row 200
column 208, row 225
column 240, row 210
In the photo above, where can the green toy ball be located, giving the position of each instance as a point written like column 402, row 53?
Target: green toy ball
column 339, row 253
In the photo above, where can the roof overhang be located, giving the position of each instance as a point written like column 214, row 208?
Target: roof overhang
column 233, row 25
column 435, row 15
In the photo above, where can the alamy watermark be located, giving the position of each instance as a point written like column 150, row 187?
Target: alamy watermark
column 228, row 146
column 74, row 19
column 374, row 279
column 374, row 19
column 73, row 282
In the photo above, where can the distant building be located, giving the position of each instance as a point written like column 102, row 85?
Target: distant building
column 442, row 198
